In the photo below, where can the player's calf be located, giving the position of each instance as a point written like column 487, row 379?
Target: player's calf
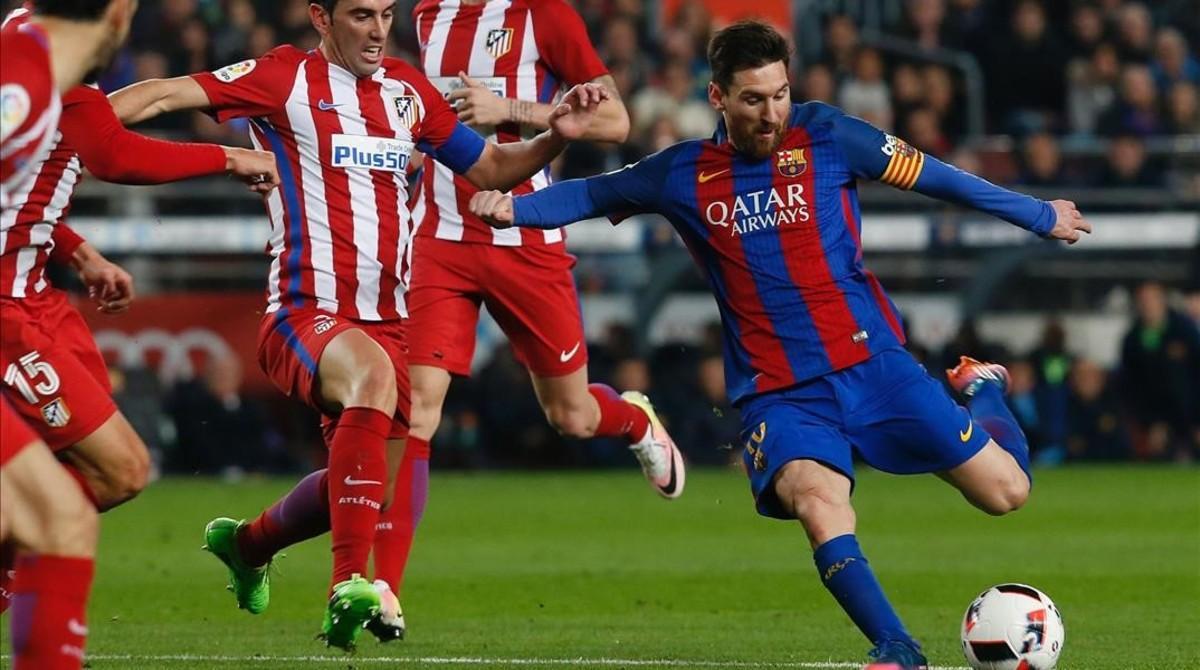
column 992, row 481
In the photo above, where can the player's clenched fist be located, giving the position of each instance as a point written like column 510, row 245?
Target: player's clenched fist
column 1069, row 224
column 256, row 169
column 494, row 208
column 574, row 113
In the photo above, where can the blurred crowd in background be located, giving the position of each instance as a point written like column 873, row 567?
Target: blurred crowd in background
column 1057, row 76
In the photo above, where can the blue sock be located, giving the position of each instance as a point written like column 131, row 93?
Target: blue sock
column 844, row 571
column 989, row 409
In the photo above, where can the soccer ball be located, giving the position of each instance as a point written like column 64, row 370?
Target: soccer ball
column 1012, row 627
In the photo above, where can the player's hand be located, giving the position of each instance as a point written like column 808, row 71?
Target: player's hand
column 571, row 118
column 1069, row 224
column 256, row 169
column 107, row 283
column 476, row 104
column 494, row 208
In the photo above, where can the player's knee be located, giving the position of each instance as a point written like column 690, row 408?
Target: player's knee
column 1007, row 495
column 426, row 416
column 70, row 529
column 127, row 475
column 375, row 387
column 824, row 514
column 569, row 420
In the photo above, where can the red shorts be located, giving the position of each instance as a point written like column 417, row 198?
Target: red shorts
column 290, row 344
column 54, row 375
column 529, row 290
column 15, row 434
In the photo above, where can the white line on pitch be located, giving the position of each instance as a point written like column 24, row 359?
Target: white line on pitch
column 490, row 662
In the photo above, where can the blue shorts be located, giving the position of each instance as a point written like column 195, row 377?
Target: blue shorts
column 887, row 410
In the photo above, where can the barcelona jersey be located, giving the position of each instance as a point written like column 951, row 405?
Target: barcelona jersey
column 779, row 239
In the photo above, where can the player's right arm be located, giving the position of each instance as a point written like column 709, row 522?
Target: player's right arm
column 872, row 154
column 632, row 189
column 151, row 98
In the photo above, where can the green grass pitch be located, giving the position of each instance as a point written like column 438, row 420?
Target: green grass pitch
column 566, row 570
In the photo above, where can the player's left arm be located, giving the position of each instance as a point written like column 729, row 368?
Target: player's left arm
column 107, row 283
column 565, row 48
column 478, row 106
column 634, row 188
column 873, row 154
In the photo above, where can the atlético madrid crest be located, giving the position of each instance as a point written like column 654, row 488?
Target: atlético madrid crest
column 498, row 41
column 56, row 413
column 407, row 110
column 792, row 162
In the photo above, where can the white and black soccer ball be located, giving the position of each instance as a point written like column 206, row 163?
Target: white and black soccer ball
column 1012, row 627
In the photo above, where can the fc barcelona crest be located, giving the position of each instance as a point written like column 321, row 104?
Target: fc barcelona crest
column 407, row 109
column 792, row 162
column 498, row 41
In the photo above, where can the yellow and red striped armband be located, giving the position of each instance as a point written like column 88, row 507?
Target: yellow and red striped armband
column 905, row 165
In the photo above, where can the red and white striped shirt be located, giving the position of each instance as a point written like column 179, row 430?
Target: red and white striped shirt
column 87, row 132
column 525, row 49
column 30, row 107
column 340, row 224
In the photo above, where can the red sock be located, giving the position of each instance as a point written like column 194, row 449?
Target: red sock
column 398, row 523
column 617, row 417
column 357, row 476
column 49, row 619
column 7, row 557
column 301, row 514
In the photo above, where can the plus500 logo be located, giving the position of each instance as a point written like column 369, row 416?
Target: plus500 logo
column 371, row 153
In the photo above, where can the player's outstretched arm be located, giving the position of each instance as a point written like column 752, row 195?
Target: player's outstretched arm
column 873, row 154
column 147, row 99
column 502, row 166
column 477, row 105
column 91, row 126
column 634, row 188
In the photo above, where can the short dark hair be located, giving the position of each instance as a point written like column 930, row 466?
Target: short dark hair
column 71, row 9
column 327, row 4
column 743, row 46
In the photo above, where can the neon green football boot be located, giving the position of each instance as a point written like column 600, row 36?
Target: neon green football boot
column 250, row 585
column 353, row 605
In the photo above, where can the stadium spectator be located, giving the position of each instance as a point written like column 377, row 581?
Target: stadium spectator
column 1160, row 376
column 818, row 84
column 1095, row 431
column 1183, row 109
column 219, row 429
column 622, row 45
column 1026, row 82
column 1093, row 88
column 940, row 98
column 1128, row 166
column 710, row 425
column 1172, row 62
column 1135, row 33
column 1087, row 29
column 1041, row 161
column 926, row 23
column 672, row 98
column 923, row 130
column 841, row 46
column 1051, row 365
column 1022, row 400
column 1136, row 108
column 865, row 94
column 908, row 92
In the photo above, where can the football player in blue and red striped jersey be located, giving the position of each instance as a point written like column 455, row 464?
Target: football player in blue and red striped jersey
column 814, row 353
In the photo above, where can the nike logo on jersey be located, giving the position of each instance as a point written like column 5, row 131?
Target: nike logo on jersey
column 706, row 177
column 327, row 106
column 359, row 482
column 77, row 628
column 965, row 435
column 568, row 355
